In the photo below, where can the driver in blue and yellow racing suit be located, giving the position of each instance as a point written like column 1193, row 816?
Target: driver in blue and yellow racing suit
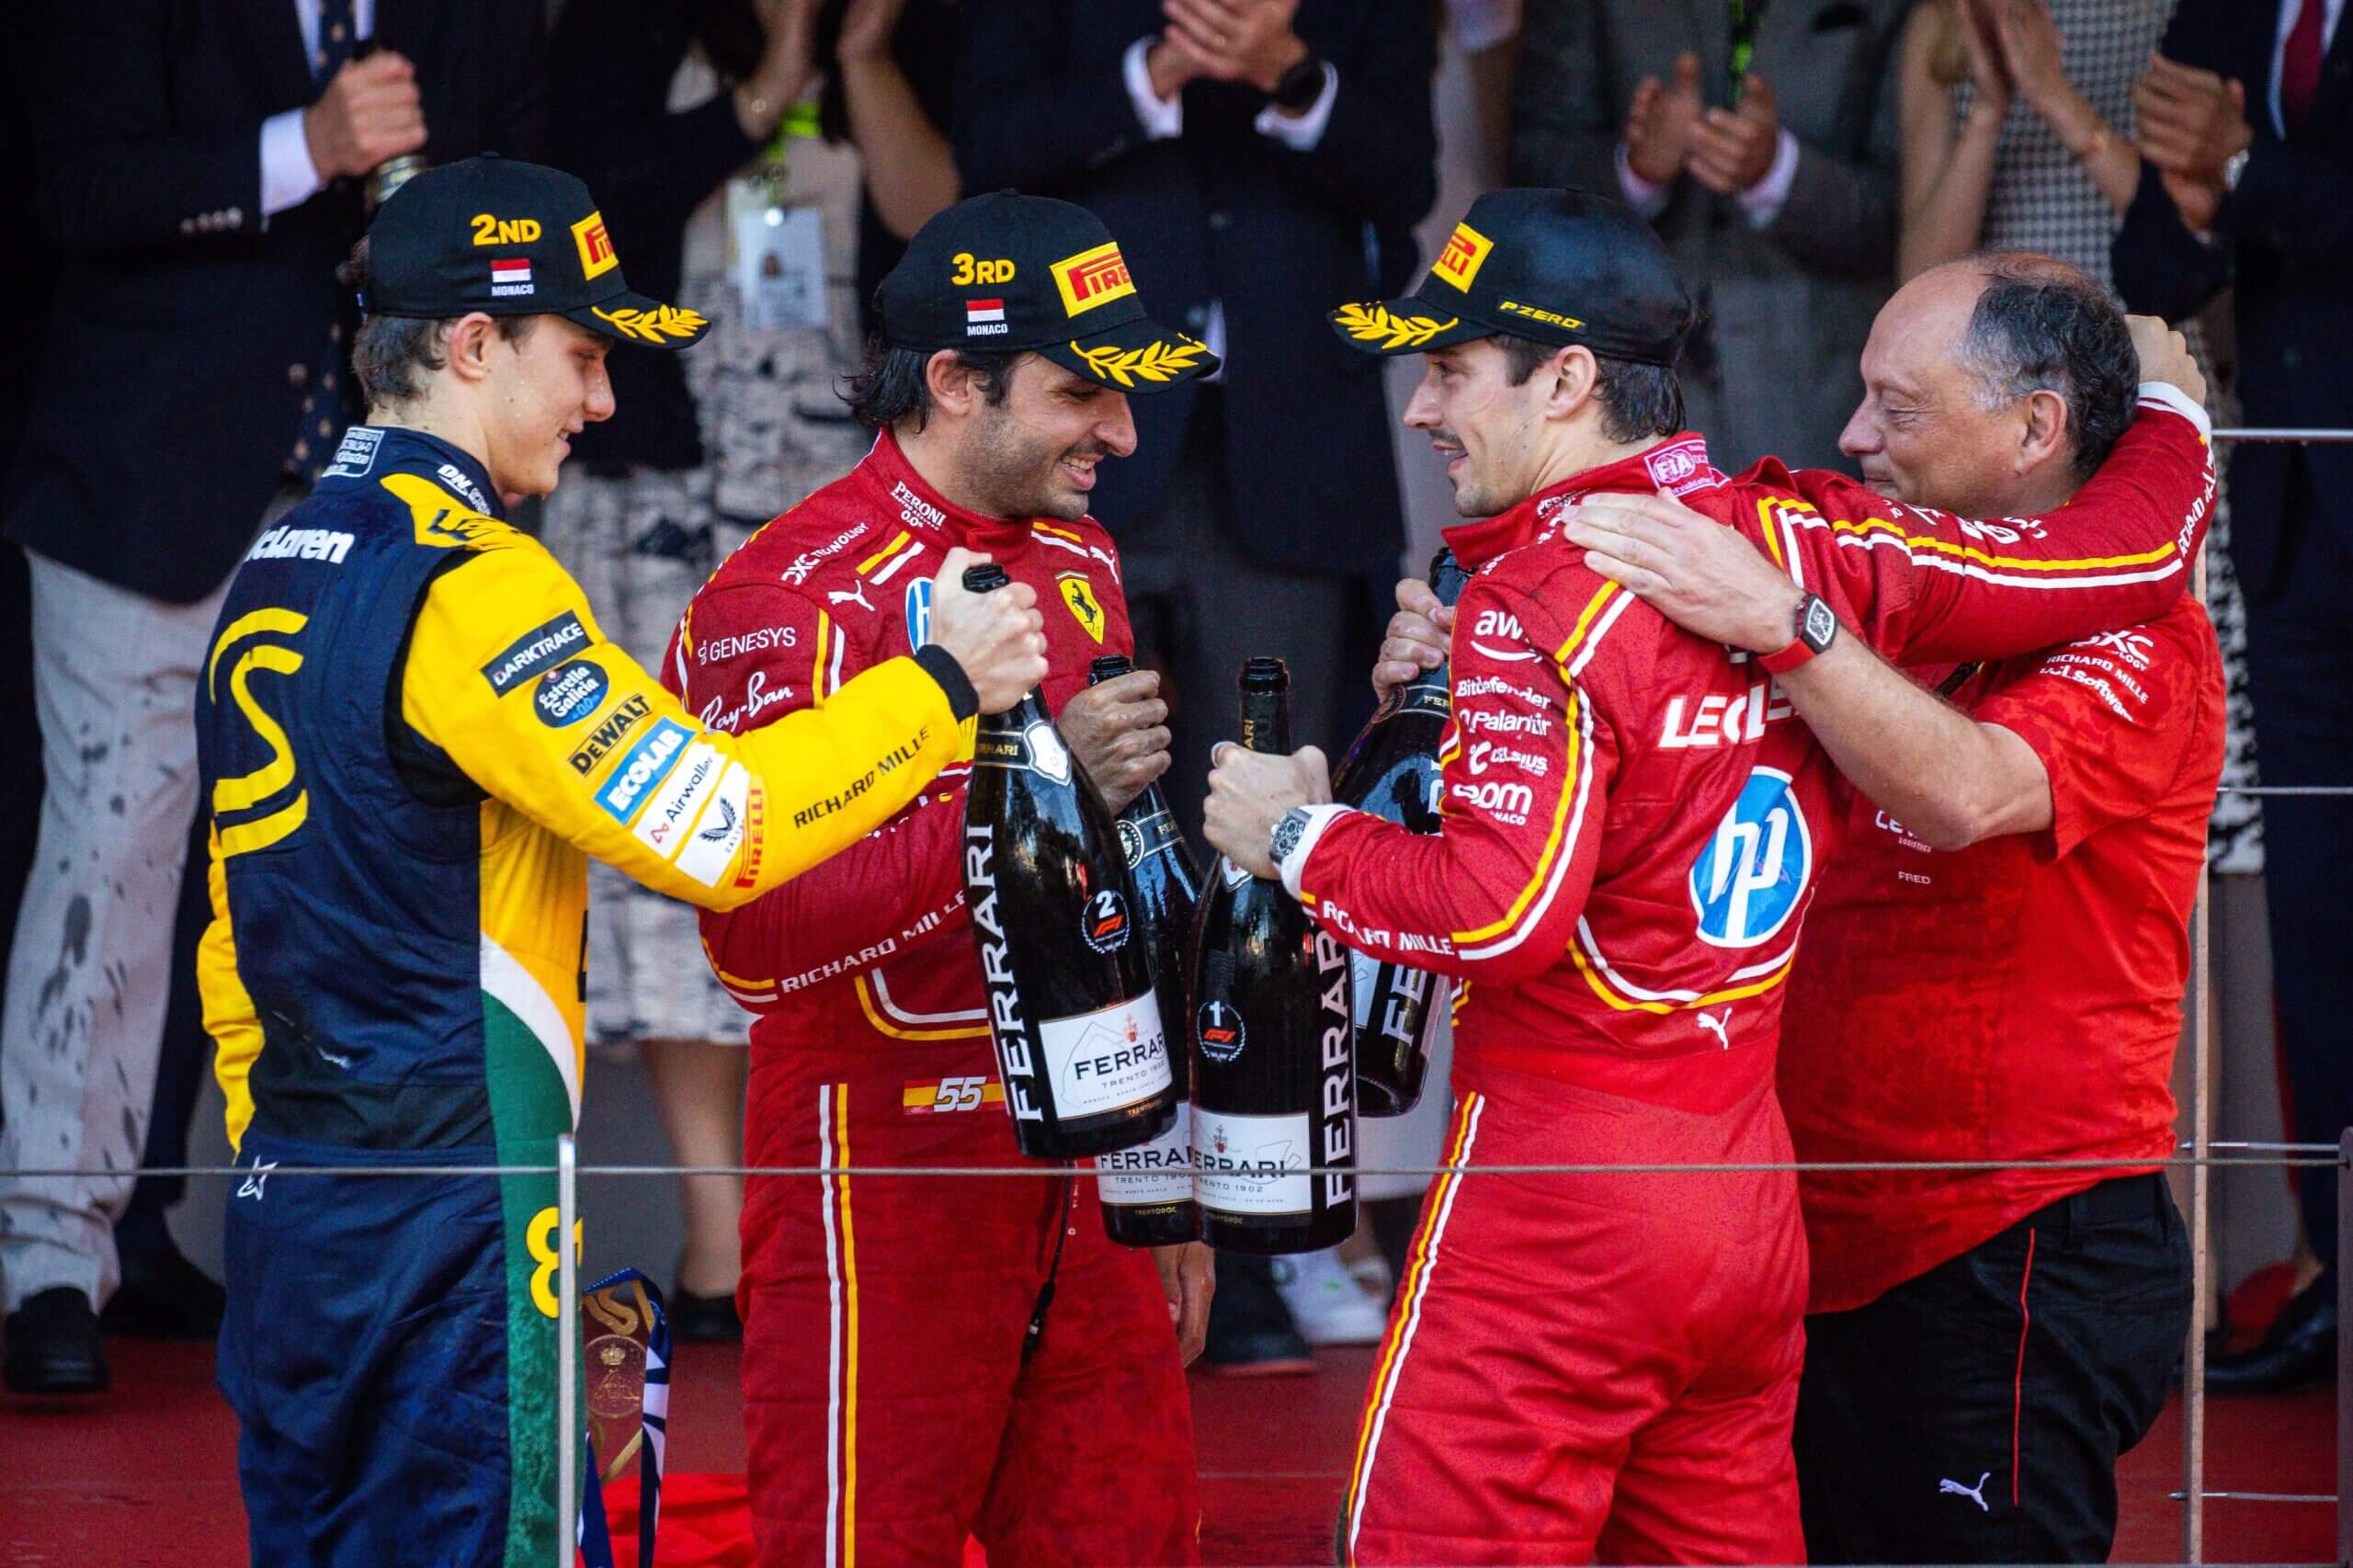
column 413, row 734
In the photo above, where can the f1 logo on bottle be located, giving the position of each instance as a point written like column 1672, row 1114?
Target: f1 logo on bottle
column 1753, row 871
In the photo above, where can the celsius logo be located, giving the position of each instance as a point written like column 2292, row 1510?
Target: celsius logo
column 1221, row 1031
column 1105, row 923
column 918, row 613
column 1750, row 875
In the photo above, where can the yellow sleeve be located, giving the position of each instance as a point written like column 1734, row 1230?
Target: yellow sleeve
column 228, row 1010
column 508, row 674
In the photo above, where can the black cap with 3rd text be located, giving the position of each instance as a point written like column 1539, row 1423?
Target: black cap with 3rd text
column 1006, row 272
column 1560, row 266
column 509, row 239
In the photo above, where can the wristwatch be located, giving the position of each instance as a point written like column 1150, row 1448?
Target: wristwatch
column 2232, row 167
column 1289, row 828
column 1816, row 629
column 1297, row 89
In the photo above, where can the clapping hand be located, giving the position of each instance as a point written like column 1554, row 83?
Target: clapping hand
column 1659, row 125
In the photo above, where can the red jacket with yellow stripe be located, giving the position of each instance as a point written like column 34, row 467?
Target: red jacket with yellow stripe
column 1633, row 820
column 870, row 951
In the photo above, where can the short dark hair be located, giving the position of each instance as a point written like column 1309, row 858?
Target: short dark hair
column 393, row 355
column 1638, row 401
column 895, row 382
column 2042, row 325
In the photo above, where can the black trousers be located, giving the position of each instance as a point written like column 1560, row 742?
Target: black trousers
column 1975, row 1413
column 2300, row 667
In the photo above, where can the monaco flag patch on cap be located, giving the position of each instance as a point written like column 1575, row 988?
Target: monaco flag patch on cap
column 510, row 277
column 983, row 318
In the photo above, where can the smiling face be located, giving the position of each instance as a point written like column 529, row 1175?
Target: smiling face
column 1493, row 435
column 1034, row 454
column 1925, row 432
column 543, row 388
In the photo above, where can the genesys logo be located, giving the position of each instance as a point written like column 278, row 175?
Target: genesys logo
column 601, row 740
column 646, row 767
column 535, row 650
column 739, row 644
column 570, row 693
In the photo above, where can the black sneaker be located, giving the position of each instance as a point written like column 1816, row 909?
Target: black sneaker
column 164, row 1296
column 1251, row 1333
column 53, row 1346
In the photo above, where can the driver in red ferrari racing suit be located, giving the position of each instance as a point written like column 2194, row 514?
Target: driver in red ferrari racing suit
column 1606, row 1365
column 929, row 1359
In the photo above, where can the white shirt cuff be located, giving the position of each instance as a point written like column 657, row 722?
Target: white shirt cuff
column 2165, row 394
column 1295, row 865
column 1301, row 134
column 1161, row 118
column 1762, row 202
column 288, row 176
column 1644, row 196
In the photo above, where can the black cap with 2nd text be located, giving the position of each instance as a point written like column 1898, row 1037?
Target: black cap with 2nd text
column 1559, row 266
column 509, row 238
column 1006, row 272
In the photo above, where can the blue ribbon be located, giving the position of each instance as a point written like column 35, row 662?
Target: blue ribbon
column 595, row 1535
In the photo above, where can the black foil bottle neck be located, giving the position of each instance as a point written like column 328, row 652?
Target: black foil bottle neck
column 1109, row 667
column 1447, row 578
column 1265, row 706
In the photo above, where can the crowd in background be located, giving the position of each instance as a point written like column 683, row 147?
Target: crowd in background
column 763, row 162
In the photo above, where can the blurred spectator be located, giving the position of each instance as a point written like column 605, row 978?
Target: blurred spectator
column 2017, row 121
column 2245, row 124
column 691, row 140
column 1764, row 155
column 1254, row 159
column 197, row 165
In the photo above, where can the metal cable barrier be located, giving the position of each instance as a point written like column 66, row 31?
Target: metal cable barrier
column 2199, row 1156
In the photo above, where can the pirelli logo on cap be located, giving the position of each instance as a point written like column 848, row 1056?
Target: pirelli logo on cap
column 1466, row 250
column 1093, row 278
column 597, row 256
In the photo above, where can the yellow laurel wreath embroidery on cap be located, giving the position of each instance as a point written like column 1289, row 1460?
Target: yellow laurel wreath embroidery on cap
column 1366, row 323
column 1156, row 361
column 653, row 325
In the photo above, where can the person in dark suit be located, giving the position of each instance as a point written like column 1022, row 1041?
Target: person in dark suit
column 1253, row 158
column 2245, row 129
column 198, row 166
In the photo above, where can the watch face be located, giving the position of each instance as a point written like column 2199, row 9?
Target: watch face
column 1288, row 832
column 1820, row 625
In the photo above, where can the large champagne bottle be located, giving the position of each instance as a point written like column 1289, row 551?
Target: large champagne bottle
column 1078, row 1029
column 1392, row 772
column 1274, row 1083
column 1147, row 1191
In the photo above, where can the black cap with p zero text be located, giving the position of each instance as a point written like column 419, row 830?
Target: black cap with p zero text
column 509, row 239
column 1560, row 266
column 1006, row 272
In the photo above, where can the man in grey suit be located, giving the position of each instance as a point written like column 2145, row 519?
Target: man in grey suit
column 1760, row 142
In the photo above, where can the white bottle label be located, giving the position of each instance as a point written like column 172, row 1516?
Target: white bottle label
column 1253, row 1164
column 1107, row 1060
column 1157, row 1172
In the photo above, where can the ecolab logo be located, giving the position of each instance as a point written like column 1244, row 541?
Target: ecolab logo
column 642, row 769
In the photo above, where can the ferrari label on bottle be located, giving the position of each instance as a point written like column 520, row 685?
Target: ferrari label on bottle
column 1157, row 1172
column 1254, row 1164
column 1107, row 1060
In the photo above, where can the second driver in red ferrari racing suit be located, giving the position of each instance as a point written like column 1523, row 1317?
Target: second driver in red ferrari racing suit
column 1605, row 1364
column 925, row 1358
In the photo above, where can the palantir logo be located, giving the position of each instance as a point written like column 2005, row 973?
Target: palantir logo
column 1754, row 869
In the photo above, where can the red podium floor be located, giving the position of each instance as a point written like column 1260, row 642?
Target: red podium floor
column 147, row 1475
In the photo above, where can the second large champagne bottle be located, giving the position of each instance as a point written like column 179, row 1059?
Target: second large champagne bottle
column 1392, row 772
column 1274, row 1079
column 1147, row 1191
column 1078, row 1029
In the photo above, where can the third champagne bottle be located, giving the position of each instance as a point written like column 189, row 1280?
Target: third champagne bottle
column 1274, row 1080
column 1078, row 1029
column 1148, row 1190
column 1392, row 772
